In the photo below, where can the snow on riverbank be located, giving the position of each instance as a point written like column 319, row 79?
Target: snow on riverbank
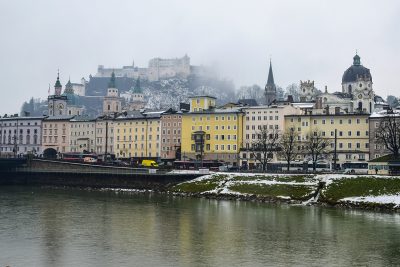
column 222, row 183
column 382, row 199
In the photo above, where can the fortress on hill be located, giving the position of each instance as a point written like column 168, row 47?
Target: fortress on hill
column 158, row 68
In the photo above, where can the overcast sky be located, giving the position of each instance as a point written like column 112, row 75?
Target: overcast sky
column 313, row 40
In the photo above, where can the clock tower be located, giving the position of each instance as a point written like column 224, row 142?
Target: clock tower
column 57, row 103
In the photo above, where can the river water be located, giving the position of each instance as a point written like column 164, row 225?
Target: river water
column 73, row 227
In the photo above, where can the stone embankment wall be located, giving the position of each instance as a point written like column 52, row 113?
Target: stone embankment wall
column 54, row 173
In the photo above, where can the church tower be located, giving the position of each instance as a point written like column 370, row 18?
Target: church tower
column 57, row 103
column 137, row 97
column 307, row 92
column 58, row 86
column 357, row 85
column 270, row 88
column 112, row 102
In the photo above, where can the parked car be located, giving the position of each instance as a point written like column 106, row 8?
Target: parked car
column 149, row 163
column 89, row 160
column 119, row 162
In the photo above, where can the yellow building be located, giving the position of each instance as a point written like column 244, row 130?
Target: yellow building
column 137, row 135
column 352, row 133
column 211, row 133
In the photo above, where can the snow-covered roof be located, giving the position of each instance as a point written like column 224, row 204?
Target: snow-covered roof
column 304, row 104
column 384, row 113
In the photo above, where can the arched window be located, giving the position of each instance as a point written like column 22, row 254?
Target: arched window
column 360, row 106
column 350, row 89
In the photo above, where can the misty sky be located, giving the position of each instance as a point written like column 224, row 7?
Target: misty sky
column 313, row 40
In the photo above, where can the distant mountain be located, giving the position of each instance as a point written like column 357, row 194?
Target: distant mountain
column 167, row 92
column 158, row 94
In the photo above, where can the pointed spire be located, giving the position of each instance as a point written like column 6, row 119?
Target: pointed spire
column 58, row 83
column 270, row 80
column 137, row 89
column 270, row 88
column 68, row 87
column 111, row 84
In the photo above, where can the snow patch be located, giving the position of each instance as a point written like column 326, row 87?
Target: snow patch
column 382, row 199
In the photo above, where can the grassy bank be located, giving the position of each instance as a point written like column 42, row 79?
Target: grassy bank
column 294, row 187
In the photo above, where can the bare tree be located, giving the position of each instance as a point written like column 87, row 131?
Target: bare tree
column 388, row 133
column 265, row 144
column 316, row 146
column 294, row 91
column 288, row 146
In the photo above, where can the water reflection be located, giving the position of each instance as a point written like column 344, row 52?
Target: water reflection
column 66, row 227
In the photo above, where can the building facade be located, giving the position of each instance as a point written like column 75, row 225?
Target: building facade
column 209, row 133
column 171, row 125
column 105, row 134
column 56, row 135
column 20, row 136
column 83, row 134
column 351, row 131
column 376, row 120
column 137, row 135
column 256, row 118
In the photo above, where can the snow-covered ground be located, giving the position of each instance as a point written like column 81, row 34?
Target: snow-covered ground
column 382, row 199
column 227, row 180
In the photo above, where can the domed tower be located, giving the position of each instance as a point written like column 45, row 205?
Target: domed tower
column 357, row 84
column 270, row 88
column 112, row 102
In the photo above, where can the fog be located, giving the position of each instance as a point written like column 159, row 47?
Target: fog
column 313, row 40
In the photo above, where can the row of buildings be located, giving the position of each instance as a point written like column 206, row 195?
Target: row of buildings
column 200, row 130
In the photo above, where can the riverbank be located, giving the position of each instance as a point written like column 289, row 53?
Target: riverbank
column 380, row 193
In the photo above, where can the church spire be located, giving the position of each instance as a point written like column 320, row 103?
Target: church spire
column 57, row 85
column 111, row 84
column 137, row 89
column 270, row 88
column 68, row 87
column 270, row 80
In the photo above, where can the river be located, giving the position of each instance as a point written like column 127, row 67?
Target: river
column 75, row 227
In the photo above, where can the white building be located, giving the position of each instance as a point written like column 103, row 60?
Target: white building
column 83, row 134
column 158, row 68
column 20, row 135
column 258, row 117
